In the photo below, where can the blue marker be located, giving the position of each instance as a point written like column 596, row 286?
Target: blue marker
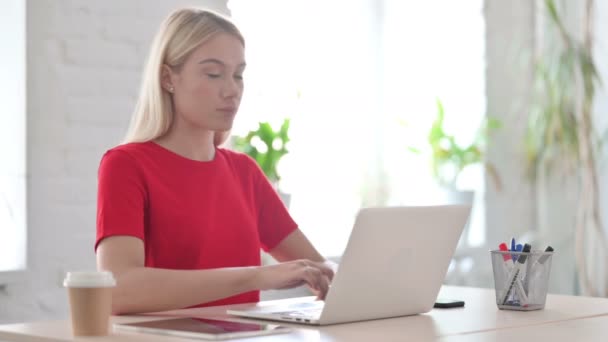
column 518, row 248
column 513, row 276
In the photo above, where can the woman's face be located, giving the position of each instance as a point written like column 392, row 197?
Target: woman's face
column 208, row 87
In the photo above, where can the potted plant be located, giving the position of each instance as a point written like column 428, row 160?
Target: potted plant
column 562, row 143
column 266, row 146
column 449, row 159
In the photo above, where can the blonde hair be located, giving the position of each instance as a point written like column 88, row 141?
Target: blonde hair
column 179, row 35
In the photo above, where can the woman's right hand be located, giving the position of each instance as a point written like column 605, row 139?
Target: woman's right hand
column 286, row 275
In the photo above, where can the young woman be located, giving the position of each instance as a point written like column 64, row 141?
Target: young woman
column 180, row 221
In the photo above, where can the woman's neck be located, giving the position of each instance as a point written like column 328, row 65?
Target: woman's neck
column 189, row 143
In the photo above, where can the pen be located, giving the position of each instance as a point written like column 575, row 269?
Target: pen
column 512, row 279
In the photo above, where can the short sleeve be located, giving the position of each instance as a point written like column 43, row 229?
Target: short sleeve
column 121, row 197
column 274, row 221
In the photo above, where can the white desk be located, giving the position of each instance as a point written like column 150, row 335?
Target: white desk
column 584, row 329
column 480, row 320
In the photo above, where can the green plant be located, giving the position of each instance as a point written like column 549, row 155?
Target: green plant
column 561, row 127
column 557, row 123
column 449, row 159
column 266, row 146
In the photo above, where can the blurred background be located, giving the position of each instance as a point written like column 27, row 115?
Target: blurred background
column 347, row 104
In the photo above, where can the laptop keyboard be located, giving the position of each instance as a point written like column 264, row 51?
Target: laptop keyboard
column 306, row 306
column 305, row 313
column 304, row 310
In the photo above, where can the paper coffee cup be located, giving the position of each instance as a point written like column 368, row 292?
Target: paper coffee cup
column 90, row 296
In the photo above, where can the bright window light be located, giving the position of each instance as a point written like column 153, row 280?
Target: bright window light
column 346, row 73
column 12, row 136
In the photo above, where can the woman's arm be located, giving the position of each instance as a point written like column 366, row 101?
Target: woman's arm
column 296, row 246
column 142, row 289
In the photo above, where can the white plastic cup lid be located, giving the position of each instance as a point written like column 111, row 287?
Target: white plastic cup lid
column 89, row 279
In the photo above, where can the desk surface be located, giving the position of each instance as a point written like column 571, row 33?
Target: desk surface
column 586, row 329
column 479, row 320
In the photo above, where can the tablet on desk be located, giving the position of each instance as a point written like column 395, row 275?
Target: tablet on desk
column 202, row 328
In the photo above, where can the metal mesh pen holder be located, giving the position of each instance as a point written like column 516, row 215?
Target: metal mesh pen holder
column 521, row 279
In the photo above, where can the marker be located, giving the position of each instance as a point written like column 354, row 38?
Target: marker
column 538, row 262
column 506, row 257
column 508, row 262
column 513, row 276
column 518, row 248
column 543, row 258
column 508, row 266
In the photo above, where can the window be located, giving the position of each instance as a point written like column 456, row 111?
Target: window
column 432, row 50
column 12, row 136
column 346, row 72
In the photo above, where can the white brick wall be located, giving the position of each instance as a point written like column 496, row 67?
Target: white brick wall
column 84, row 67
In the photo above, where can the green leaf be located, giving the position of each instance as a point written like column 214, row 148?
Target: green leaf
column 561, row 73
column 268, row 160
column 448, row 159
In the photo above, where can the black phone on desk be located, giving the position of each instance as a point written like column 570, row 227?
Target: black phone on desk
column 445, row 303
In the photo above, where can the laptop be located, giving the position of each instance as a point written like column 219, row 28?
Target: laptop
column 394, row 264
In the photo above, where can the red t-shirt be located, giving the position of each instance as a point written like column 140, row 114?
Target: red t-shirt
column 190, row 215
